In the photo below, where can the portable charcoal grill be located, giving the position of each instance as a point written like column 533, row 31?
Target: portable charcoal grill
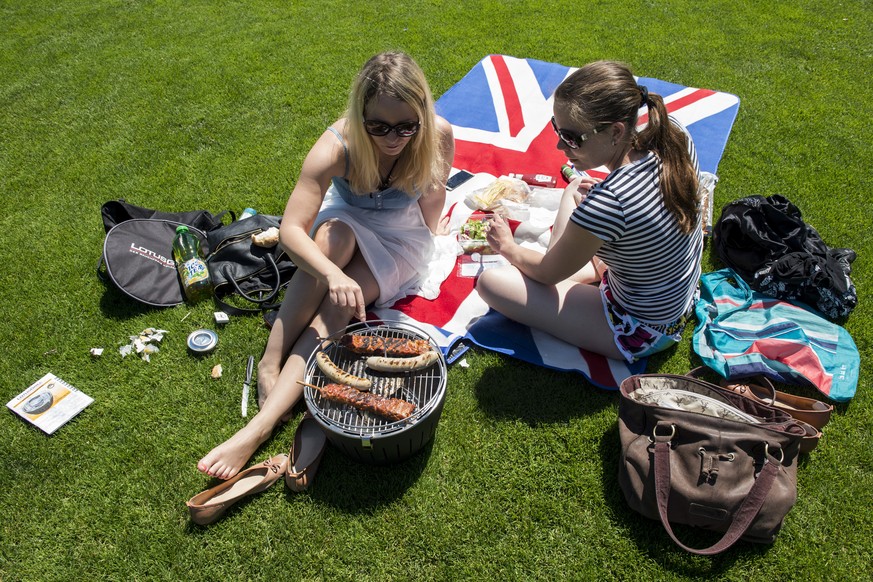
column 369, row 437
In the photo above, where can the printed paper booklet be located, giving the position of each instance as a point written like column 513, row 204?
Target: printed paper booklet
column 49, row 403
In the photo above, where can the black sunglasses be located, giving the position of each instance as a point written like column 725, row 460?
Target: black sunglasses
column 575, row 140
column 380, row 128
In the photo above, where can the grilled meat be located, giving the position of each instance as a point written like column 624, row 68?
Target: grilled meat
column 374, row 345
column 383, row 364
column 337, row 374
column 391, row 408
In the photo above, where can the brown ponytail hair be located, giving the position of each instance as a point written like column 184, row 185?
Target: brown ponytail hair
column 606, row 92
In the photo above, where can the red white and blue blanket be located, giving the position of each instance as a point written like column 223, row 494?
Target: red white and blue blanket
column 500, row 113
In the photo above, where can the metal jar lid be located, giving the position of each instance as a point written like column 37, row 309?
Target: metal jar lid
column 202, row 341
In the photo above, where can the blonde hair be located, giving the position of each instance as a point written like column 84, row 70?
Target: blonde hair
column 396, row 75
column 606, row 92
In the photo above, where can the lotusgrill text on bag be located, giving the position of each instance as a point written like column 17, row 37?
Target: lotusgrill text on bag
column 137, row 255
column 138, row 250
column 141, row 250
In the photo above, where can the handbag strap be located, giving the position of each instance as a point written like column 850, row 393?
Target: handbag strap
column 263, row 304
column 741, row 520
column 274, row 289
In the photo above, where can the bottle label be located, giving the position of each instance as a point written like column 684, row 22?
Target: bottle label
column 535, row 179
column 193, row 271
column 544, row 180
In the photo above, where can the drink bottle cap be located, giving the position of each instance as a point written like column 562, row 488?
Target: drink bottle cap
column 202, row 341
column 181, row 228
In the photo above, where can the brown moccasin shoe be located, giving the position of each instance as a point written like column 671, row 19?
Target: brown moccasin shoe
column 760, row 388
column 208, row 506
column 306, row 452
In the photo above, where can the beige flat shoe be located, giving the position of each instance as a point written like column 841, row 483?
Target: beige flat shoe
column 208, row 506
column 761, row 389
column 306, row 452
column 810, row 439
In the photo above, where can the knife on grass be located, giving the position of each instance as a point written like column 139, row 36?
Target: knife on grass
column 247, row 386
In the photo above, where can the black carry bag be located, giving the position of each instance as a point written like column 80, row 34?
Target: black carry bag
column 138, row 249
column 242, row 269
column 117, row 211
column 766, row 242
column 138, row 259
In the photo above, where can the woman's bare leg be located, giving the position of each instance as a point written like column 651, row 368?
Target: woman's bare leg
column 302, row 298
column 226, row 460
column 570, row 311
column 328, row 319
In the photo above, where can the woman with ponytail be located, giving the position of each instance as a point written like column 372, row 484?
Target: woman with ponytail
column 621, row 272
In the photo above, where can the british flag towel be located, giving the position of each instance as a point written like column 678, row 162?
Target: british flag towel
column 500, row 113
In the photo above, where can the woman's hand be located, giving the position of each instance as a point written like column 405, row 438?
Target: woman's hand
column 498, row 234
column 345, row 292
column 444, row 226
column 578, row 188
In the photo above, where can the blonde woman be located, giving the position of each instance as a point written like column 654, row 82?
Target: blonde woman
column 358, row 224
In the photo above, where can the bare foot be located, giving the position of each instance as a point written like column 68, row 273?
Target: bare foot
column 228, row 458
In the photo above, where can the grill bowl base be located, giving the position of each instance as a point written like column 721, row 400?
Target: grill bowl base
column 363, row 436
column 386, row 449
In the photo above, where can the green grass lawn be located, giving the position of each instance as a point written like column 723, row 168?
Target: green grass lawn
column 182, row 105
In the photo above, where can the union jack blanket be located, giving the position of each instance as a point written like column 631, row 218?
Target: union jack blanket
column 500, row 113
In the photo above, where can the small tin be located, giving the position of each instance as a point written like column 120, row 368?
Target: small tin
column 202, row 341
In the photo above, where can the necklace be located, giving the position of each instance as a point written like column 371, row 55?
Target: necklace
column 386, row 181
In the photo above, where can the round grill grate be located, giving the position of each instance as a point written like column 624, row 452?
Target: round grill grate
column 424, row 388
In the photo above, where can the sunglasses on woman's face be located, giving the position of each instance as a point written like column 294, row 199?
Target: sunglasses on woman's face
column 575, row 140
column 380, row 128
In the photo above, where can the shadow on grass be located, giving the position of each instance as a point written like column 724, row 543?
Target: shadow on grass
column 346, row 484
column 357, row 487
column 650, row 536
column 116, row 305
column 536, row 395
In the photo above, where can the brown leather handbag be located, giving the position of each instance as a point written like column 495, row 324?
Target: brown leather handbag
column 694, row 453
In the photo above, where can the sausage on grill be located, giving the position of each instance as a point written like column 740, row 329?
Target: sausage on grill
column 337, row 374
column 425, row 360
column 390, row 408
column 374, row 345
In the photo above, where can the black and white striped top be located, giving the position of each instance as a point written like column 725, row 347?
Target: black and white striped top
column 654, row 268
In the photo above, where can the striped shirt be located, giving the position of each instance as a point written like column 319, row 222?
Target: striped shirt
column 654, row 268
